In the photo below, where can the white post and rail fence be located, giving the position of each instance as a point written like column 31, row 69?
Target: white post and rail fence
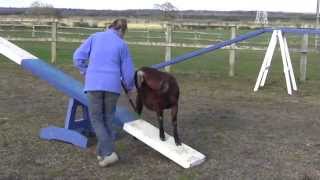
column 148, row 41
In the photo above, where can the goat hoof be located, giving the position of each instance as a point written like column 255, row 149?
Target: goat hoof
column 163, row 138
column 178, row 142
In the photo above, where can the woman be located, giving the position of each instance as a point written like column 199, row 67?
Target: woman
column 104, row 59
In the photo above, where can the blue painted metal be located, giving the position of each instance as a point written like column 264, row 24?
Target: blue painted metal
column 270, row 30
column 239, row 38
column 208, row 49
column 77, row 131
column 300, row 30
column 55, row 77
column 65, row 135
column 74, row 131
column 81, row 125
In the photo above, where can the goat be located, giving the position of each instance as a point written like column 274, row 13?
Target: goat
column 157, row 91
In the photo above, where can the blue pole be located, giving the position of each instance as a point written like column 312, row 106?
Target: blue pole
column 300, row 31
column 210, row 48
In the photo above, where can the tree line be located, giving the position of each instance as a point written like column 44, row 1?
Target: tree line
column 160, row 12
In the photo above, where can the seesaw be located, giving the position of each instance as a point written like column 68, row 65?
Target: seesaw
column 75, row 130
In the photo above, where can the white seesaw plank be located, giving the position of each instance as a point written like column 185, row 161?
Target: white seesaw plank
column 14, row 52
column 183, row 155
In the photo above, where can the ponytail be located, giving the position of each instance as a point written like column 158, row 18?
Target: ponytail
column 119, row 25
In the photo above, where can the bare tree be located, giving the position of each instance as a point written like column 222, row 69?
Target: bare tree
column 38, row 8
column 168, row 9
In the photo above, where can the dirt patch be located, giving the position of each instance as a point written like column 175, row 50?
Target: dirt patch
column 245, row 135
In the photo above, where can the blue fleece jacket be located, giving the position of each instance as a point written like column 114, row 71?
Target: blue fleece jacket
column 104, row 58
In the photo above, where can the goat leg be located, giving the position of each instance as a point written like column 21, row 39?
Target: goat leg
column 138, row 107
column 174, row 112
column 139, row 104
column 161, row 130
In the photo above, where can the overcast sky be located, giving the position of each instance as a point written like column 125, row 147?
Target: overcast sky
column 308, row 6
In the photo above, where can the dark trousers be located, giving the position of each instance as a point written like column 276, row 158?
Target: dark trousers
column 102, row 106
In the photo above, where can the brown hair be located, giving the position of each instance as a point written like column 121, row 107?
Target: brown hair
column 119, row 24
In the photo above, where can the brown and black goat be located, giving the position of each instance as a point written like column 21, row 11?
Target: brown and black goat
column 158, row 91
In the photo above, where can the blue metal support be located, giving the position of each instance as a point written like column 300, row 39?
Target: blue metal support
column 81, row 125
column 75, row 131
column 65, row 135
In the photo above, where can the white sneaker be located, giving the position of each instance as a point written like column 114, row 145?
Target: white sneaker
column 107, row 160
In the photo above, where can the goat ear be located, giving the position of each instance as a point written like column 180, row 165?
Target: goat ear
column 139, row 79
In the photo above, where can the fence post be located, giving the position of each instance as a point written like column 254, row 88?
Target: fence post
column 232, row 52
column 54, row 41
column 303, row 58
column 33, row 31
column 168, row 47
column 148, row 34
column 195, row 36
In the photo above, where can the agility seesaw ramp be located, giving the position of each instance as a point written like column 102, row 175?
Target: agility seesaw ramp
column 74, row 130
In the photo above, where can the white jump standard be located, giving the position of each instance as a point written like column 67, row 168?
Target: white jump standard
column 286, row 61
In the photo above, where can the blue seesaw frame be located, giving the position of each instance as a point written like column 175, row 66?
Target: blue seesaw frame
column 77, row 131
column 74, row 131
